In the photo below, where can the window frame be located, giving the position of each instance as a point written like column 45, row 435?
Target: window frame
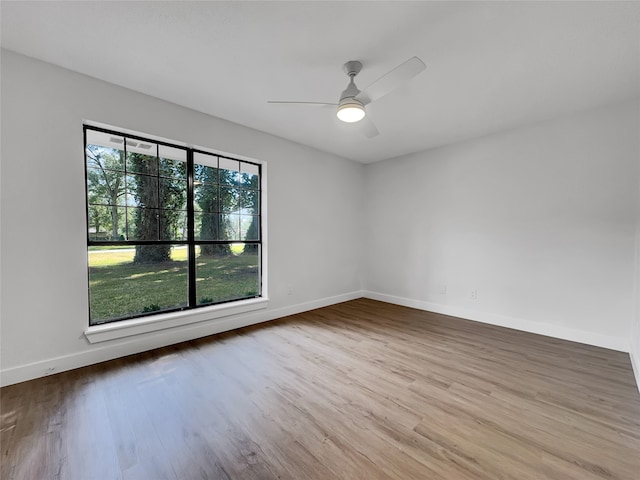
column 144, row 321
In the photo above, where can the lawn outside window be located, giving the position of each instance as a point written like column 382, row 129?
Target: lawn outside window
column 170, row 228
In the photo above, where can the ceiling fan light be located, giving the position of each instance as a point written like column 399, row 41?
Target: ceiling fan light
column 350, row 112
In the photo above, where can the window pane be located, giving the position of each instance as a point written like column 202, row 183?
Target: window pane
column 105, row 158
column 173, row 225
column 172, row 153
column 223, row 277
column 173, row 194
column 249, row 202
column 208, row 159
column 206, row 198
column 229, row 199
column 132, row 281
column 106, row 223
column 173, row 168
column 249, row 175
column 140, row 163
column 207, row 226
column 144, row 223
column 229, row 227
column 105, row 187
column 249, row 227
column 207, row 175
column 229, row 171
column 142, row 191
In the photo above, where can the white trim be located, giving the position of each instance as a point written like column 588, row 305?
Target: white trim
column 140, row 343
column 547, row 329
column 634, row 352
column 264, row 232
column 634, row 355
column 136, row 326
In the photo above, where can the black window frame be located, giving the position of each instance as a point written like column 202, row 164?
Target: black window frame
column 191, row 242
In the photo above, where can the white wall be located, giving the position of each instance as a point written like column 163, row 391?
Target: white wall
column 635, row 328
column 540, row 221
column 314, row 205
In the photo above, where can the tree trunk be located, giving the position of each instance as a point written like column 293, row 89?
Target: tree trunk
column 210, row 229
column 147, row 219
column 114, row 223
column 215, row 250
column 152, row 254
column 210, row 226
column 252, row 234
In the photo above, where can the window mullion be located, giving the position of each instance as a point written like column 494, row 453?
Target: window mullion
column 191, row 249
column 159, row 205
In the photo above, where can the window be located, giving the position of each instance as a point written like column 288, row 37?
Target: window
column 169, row 227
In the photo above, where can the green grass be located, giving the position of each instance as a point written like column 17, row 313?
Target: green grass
column 120, row 288
column 110, row 258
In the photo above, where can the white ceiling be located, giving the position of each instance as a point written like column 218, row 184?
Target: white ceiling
column 490, row 65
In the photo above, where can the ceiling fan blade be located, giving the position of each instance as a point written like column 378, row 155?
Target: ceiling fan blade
column 391, row 80
column 368, row 127
column 311, row 104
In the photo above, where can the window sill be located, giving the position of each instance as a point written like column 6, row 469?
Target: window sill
column 127, row 328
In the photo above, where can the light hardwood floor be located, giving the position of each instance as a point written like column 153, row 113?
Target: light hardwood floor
column 359, row 390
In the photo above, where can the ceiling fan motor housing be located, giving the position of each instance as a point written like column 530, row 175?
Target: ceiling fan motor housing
column 352, row 68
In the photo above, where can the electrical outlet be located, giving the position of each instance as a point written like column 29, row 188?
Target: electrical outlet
column 289, row 289
column 474, row 294
column 443, row 289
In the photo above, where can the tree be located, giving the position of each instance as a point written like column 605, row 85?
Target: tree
column 159, row 201
column 210, row 198
column 99, row 216
column 250, row 200
column 252, row 233
column 105, row 182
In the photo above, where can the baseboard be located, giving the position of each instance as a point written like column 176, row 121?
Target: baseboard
column 555, row 331
column 634, row 355
column 140, row 343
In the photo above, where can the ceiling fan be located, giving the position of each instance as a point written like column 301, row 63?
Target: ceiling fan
column 350, row 107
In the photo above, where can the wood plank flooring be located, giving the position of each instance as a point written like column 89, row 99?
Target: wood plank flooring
column 359, row 390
